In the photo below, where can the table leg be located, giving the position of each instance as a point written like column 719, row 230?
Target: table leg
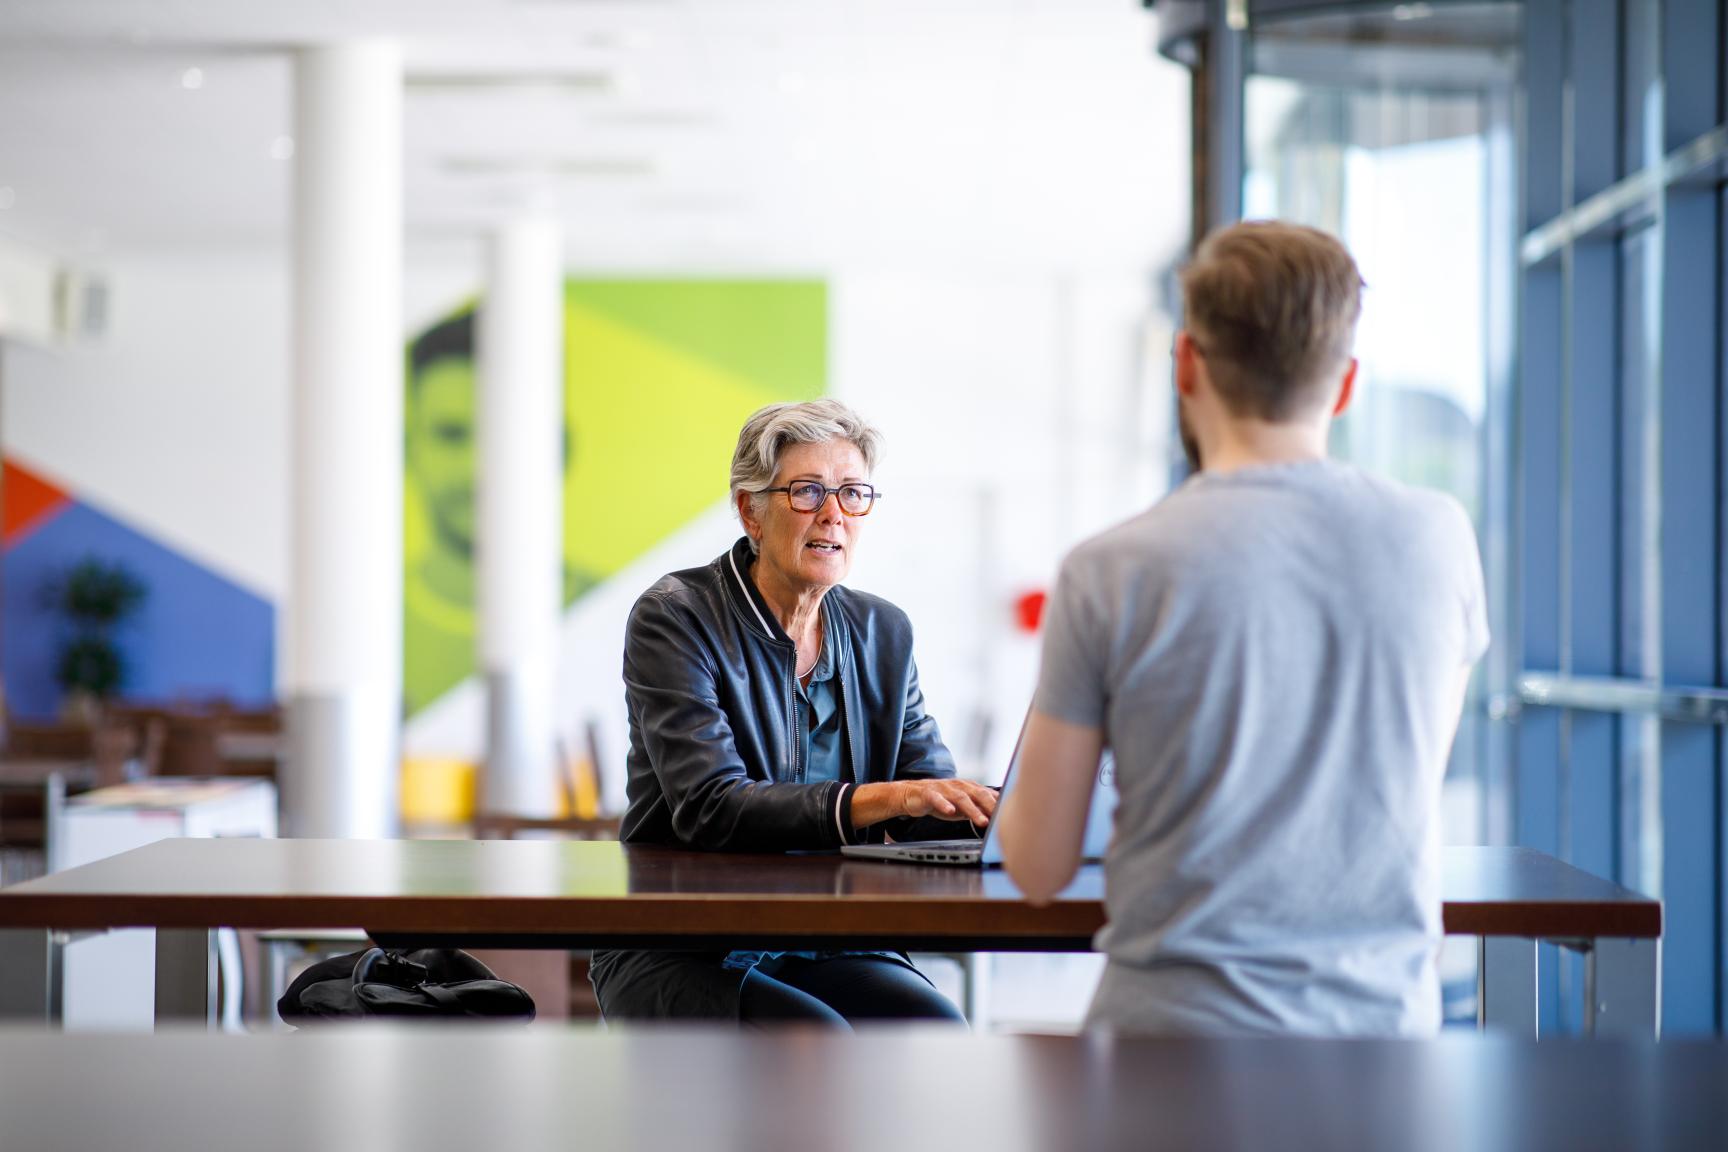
column 29, row 976
column 1506, row 985
column 1623, row 988
column 231, row 978
column 185, row 976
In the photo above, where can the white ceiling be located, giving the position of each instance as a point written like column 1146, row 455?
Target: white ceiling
column 664, row 132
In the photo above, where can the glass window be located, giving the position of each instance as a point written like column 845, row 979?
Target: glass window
column 1377, row 129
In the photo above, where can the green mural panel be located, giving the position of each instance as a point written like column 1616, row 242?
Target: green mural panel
column 659, row 375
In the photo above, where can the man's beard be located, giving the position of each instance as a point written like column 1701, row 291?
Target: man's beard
column 1185, row 433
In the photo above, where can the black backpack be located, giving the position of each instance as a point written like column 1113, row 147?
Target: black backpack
column 426, row 984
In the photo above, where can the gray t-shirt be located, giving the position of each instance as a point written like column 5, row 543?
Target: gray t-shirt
column 1274, row 656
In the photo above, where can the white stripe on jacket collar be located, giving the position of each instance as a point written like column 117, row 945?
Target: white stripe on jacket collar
column 732, row 559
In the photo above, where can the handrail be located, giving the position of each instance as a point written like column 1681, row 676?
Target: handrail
column 1639, row 188
column 1608, row 694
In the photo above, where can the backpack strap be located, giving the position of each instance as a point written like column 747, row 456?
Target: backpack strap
column 443, row 996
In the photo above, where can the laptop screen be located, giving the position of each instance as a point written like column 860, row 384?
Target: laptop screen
column 1100, row 818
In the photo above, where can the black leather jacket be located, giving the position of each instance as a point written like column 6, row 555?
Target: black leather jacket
column 714, row 720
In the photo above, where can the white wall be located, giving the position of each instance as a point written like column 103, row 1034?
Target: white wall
column 176, row 419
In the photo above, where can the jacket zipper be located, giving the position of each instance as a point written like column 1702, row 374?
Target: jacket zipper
column 792, row 708
column 851, row 766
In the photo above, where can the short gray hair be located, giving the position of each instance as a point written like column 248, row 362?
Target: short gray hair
column 771, row 430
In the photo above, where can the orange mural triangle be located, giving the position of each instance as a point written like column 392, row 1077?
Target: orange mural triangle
column 27, row 501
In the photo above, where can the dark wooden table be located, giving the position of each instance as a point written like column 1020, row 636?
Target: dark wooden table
column 560, row 894
column 906, row 1089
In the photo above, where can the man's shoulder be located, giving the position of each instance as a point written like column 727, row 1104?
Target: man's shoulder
column 1393, row 490
column 1413, row 509
column 1147, row 537
column 1347, row 496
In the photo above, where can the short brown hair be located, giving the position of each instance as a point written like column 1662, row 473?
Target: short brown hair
column 1273, row 308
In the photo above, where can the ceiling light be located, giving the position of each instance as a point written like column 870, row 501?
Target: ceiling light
column 653, row 118
column 557, row 3
column 1412, row 12
column 694, row 206
column 192, row 79
column 282, row 148
column 562, row 166
column 562, row 81
column 8, row 197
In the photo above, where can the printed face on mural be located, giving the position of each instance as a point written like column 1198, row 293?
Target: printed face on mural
column 440, row 445
column 441, row 449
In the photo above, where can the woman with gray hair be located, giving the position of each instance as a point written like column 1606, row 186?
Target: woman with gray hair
column 773, row 709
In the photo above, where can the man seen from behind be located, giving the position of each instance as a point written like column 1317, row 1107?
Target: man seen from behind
column 1277, row 654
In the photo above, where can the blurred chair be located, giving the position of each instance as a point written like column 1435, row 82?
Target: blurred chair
column 264, row 720
column 578, row 780
column 43, row 763
column 123, row 750
column 47, row 741
column 191, row 747
column 111, row 751
column 210, row 737
column 497, row 826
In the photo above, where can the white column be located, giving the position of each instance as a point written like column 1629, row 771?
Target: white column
column 344, row 630
column 519, row 533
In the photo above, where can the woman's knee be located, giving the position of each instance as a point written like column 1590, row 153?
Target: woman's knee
column 872, row 988
column 764, row 1001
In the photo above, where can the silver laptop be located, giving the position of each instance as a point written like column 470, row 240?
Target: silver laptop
column 972, row 851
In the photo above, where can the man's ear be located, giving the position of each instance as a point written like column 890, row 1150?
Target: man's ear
column 1186, row 356
column 1347, row 390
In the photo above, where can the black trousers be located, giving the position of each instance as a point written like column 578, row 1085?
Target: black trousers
column 840, row 991
column 836, row 991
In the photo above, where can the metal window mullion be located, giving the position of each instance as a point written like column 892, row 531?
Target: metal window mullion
column 1541, row 417
column 1500, row 307
column 1689, row 552
column 1590, row 775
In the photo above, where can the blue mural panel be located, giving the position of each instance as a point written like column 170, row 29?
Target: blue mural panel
column 197, row 634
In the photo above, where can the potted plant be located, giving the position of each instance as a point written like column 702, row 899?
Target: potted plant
column 95, row 597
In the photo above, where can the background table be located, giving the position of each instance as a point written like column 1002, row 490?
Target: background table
column 555, row 894
column 899, row 1088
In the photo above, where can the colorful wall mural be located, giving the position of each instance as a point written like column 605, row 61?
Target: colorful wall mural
column 196, row 635
column 659, row 375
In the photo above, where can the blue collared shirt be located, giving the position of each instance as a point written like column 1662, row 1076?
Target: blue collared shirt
column 820, row 729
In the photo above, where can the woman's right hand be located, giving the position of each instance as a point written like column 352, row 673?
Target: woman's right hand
column 945, row 799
